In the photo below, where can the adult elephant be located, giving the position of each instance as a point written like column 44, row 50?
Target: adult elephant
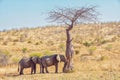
column 47, row 61
column 26, row 63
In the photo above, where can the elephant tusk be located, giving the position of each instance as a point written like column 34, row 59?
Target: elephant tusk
column 58, row 58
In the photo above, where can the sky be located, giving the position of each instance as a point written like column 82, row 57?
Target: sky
column 15, row 14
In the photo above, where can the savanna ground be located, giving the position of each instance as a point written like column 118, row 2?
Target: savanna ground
column 97, row 51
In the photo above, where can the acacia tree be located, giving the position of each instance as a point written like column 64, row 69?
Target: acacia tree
column 70, row 17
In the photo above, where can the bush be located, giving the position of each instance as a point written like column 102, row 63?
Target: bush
column 36, row 54
column 76, row 52
column 37, row 43
column 24, row 50
column 104, row 58
column 108, row 47
column 87, row 44
column 29, row 42
column 4, row 57
column 62, row 47
column 6, row 53
column 103, row 41
column 92, row 49
column 15, row 60
column 47, row 52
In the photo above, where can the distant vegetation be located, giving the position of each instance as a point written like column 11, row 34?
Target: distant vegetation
column 47, row 40
column 97, row 46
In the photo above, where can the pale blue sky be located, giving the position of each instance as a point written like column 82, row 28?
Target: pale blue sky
column 33, row 13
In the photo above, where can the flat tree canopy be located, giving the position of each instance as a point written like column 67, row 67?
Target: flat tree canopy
column 70, row 17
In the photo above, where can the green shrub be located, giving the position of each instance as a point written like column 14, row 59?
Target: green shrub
column 24, row 50
column 87, row 44
column 92, row 49
column 6, row 52
column 4, row 57
column 104, row 58
column 108, row 47
column 103, row 41
column 47, row 52
column 62, row 47
column 36, row 54
column 15, row 60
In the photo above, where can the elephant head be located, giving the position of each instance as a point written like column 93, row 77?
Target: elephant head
column 61, row 58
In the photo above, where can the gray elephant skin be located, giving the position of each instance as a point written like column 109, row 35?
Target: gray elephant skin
column 47, row 61
column 36, row 60
column 26, row 63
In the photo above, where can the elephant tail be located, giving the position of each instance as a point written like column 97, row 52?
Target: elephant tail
column 18, row 67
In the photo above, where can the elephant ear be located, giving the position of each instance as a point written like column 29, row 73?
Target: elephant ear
column 58, row 58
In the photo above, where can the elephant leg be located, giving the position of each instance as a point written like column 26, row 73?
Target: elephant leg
column 46, row 70
column 56, row 68
column 31, row 70
column 42, row 69
column 34, row 68
column 21, row 71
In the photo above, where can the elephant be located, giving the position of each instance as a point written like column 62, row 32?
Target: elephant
column 29, row 62
column 47, row 61
column 26, row 63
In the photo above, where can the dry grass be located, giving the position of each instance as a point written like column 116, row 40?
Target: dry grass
column 97, row 52
column 88, row 73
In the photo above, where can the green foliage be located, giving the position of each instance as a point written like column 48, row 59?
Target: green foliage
column 104, row 58
column 87, row 44
column 62, row 47
column 36, row 54
column 92, row 49
column 47, row 52
column 24, row 50
column 6, row 53
column 4, row 57
column 108, row 47
column 15, row 60
column 103, row 41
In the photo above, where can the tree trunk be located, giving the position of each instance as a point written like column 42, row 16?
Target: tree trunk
column 69, row 51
